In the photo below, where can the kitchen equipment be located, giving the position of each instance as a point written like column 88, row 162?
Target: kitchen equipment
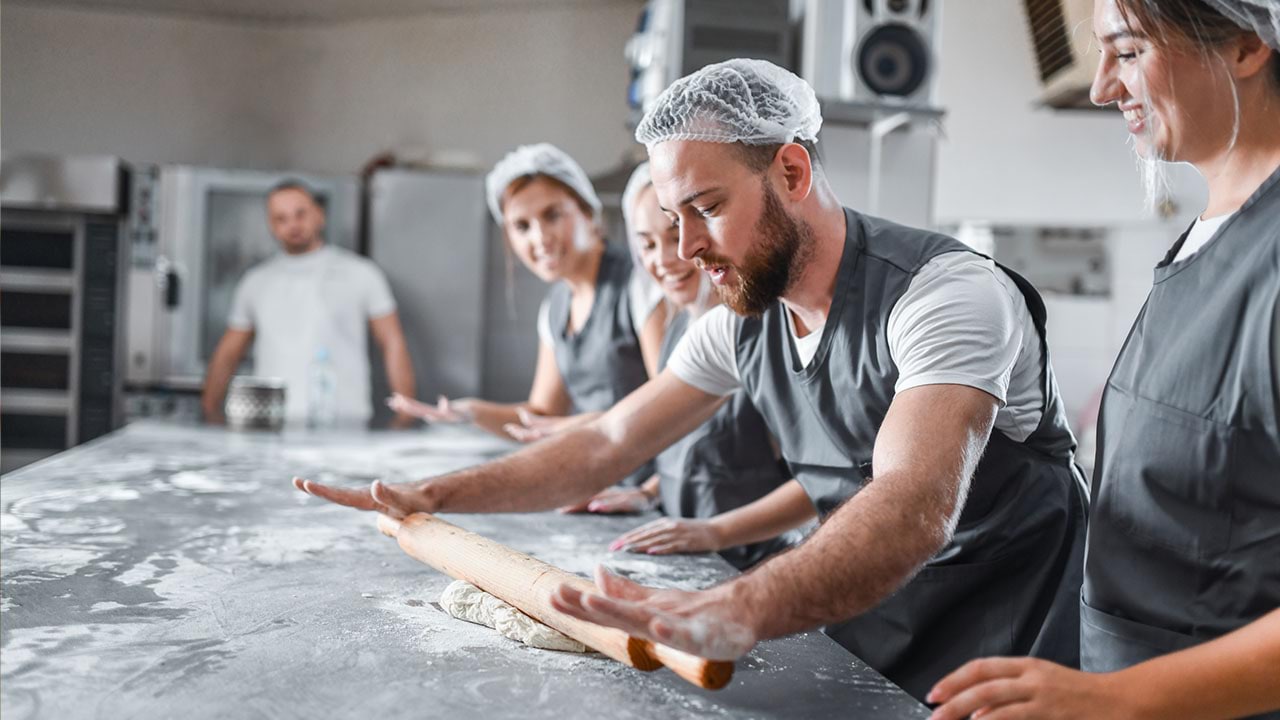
column 429, row 232
column 527, row 583
column 61, row 277
column 195, row 232
column 255, row 403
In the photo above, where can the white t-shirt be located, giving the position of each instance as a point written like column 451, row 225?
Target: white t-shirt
column 961, row 321
column 299, row 304
column 644, row 297
column 1201, row 232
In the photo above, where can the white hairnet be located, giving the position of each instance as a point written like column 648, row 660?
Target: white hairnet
column 748, row 101
column 1260, row 16
column 540, row 159
column 636, row 184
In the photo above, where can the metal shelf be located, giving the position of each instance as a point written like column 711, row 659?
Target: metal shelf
column 37, row 402
column 30, row 340
column 37, row 280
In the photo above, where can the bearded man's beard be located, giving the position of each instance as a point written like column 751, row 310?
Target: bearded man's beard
column 775, row 261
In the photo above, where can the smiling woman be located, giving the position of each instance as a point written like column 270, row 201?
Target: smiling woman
column 1178, row 614
column 600, row 327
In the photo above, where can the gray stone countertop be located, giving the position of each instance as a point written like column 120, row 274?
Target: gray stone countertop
column 172, row 571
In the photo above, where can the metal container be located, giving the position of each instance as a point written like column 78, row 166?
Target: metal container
column 255, row 403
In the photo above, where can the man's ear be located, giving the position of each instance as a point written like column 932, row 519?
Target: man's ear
column 795, row 167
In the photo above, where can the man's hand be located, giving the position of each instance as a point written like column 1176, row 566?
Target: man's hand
column 613, row 501
column 444, row 411
column 1013, row 688
column 708, row 623
column 671, row 535
column 397, row 501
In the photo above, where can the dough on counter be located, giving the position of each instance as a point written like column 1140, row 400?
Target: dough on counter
column 468, row 602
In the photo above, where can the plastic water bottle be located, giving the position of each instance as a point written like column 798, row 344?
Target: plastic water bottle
column 322, row 395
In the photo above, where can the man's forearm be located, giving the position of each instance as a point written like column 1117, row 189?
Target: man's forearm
column 546, row 475
column 399, row 367
column 215, row 385
column 865, row 551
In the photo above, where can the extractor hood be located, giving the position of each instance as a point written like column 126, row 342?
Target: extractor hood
column 1065, row 52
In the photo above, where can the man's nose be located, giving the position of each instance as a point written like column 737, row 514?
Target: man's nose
column 692, row 243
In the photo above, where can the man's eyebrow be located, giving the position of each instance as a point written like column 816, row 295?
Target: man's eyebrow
column 690, row 198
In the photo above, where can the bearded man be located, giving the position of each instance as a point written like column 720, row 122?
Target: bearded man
column 905, row 376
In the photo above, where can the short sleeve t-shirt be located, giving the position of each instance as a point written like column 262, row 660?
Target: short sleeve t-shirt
column 298, row 305
column 961, row 321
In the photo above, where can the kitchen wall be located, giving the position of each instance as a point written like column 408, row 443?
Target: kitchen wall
column 321, row 98
column 145, row 88
column 466, row 86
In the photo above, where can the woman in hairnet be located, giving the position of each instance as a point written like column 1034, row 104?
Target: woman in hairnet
column 722, row 487
column 1179, row 610
column 600, row 326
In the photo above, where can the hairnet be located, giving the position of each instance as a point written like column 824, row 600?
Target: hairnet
column 636, row 184
column 748, row 101
column 1260, row 16
column 540, row 159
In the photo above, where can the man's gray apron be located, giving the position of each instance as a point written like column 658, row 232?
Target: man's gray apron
column 601, row 363
column 725, row 463
column 1185, row 537
column 1007, row 582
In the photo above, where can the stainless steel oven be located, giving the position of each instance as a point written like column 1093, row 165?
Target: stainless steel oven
column 195, row 231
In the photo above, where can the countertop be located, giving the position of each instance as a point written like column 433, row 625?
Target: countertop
column 173, row 571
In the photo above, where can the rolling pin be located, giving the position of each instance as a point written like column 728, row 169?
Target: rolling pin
column 527, row 583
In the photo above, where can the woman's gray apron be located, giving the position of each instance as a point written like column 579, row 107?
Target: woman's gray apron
column 601, row 363
column 725, row 463
column 1185, row 537
column 1007, row 582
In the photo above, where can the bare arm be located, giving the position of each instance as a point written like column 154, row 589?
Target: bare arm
column 925, row 454
column 389, row 337
column 651, row 335
column 787, row 507
column 1232, row 676
column 222, row 365
column 561, row 469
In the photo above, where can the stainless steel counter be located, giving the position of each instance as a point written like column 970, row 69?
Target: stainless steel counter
column 170, row 571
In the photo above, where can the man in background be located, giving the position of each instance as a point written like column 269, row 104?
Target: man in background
column 307, row 305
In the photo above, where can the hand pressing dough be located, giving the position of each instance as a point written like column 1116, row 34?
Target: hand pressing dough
column 468, row 602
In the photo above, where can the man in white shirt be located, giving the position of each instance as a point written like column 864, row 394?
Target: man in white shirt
column 905, row 377
column 311, row 303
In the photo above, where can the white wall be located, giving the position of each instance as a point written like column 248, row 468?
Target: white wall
column 317, row 98
column 1008, row 161
column 476, row 82
column 148, row 89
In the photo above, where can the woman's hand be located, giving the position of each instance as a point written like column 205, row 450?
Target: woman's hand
column 533, row 426
column 1016, row 688
column 665, row 536
column 614, row 501
column 444, row 411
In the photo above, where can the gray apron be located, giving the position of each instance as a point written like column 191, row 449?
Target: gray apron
column 1008, row 581
column 723, row 464
column 1185, row 537
column 601, row 363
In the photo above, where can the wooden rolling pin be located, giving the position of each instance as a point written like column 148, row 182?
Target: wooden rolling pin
column 527, row 584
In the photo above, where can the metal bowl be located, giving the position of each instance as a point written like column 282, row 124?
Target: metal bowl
column 255, row 403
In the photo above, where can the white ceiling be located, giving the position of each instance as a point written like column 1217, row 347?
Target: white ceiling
column 303, row 11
